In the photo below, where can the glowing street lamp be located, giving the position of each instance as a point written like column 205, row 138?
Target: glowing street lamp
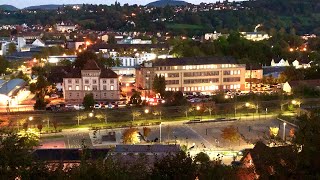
column 296, row 102
column 198, row 108
column 30, row 118
column 146, row 111
column 91, row 114
column 247, row 104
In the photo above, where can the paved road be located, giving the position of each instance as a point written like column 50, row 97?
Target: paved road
column 204, row 137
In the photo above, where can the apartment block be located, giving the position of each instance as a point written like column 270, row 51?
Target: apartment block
column 199, row 74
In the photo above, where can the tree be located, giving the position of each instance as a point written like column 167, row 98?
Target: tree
column 177, row 166
column 84, row 57
column 159, row 85
column 88, row 101
column 15, row 154
column 231, row 134
column 3, row 65
column 39, row 126
column 210, row 107
column 157, row 113
column 25, row 126
column 135, row 98
column 40, row 103
column 306, row 141
column 290, row 74
column 131, row 136
column 55, row 125
column 146, row 131
column 135, row 114
column 12, row 48
column 21, row 75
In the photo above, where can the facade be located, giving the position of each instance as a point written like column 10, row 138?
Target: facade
column 137, row 60
column 205, row 75
column 101, row 82
column 65, row 27
column 255, row 36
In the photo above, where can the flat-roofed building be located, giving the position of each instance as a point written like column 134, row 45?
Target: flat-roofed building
column 198, row 74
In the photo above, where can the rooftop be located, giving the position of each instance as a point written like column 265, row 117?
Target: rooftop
column 11, row 86
column 68, row 154
column 194, row 61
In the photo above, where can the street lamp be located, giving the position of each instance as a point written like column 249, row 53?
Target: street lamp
column 198, row 108
column 146, row 111
column 284, row 131
column 160, row 132
column 91, row 114
column 296, row 102
column 30, row 118
column 247, row 104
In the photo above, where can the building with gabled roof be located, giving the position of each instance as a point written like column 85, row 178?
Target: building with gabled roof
column 102, row 82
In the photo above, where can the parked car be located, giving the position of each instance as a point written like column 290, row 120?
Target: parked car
column 97, row 106
column 69, row 106
column 79, row 107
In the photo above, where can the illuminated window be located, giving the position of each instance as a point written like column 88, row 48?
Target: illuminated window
column 112, row 88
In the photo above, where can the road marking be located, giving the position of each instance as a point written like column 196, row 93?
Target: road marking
column 199, row 136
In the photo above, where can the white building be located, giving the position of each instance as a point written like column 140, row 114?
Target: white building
column 64, row 27
column 137, row 60
column 255, row 36
column 281, row 63
column 101, row 82
column 129, row 40
column 212, row 36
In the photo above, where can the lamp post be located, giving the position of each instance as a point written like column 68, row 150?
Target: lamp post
column 196, row 108
column 284, row 131
column 160, row 132
column 30, row 118
column 266, row 114
column 297, row 102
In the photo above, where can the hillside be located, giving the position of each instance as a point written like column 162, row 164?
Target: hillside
column 163, row 3
column 8, row 7
column 45, row 7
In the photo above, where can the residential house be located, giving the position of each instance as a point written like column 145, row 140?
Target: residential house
column 289, row 87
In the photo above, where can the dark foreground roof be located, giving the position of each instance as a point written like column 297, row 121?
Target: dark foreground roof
column 195, row 61
column 68, row 154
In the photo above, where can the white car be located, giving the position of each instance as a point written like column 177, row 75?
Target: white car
column 69, row 106
column 79, row 107
column 97, row 106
